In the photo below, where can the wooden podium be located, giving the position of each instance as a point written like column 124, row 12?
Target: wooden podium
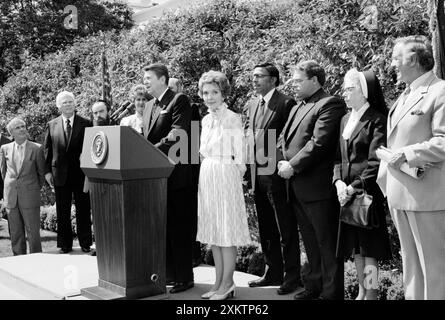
column 128, row 188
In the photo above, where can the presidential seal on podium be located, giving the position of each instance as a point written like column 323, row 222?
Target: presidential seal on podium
column 99, row 147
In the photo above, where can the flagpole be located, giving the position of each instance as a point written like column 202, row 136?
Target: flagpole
column 437, row 30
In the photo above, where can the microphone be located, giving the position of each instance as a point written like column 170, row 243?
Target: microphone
column 126, row 111
column 120, row 109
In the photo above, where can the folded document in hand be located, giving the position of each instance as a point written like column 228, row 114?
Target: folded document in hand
column 385, row 154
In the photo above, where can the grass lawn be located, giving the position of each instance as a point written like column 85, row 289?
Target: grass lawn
column 48, row 238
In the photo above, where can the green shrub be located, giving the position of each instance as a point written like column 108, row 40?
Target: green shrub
column 228, row 35
column 48, row 218
column 390, row 284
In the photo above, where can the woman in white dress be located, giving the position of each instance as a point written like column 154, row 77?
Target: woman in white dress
column 139, row 96
column 222, row 216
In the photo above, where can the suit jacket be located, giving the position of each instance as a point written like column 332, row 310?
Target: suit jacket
column 3, row 140
column 22, row 186
column 309, row 142
column 419, row 131
column 357, row 156
column 273, row 121
column 63, row 158
column 173, row 117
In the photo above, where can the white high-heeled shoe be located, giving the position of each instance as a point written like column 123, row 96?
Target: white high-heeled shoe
column 208, row 295
column 228, row 294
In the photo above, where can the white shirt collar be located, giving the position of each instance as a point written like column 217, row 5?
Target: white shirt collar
column 268, row 95
column 70, row 118
column 418, row 82
column 23, row 144
column 162, row 95
column 353, row 120
column 358, row 114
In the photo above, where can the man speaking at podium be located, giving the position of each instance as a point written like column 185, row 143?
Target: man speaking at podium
column 164, row 116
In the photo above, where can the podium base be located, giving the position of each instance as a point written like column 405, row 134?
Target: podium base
column 99, row 293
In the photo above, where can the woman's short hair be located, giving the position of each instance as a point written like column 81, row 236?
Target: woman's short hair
column 422, row 49
column 139, row 90
column 11, row 124
column 215, row 77
column 313, row 69
column 63, row 94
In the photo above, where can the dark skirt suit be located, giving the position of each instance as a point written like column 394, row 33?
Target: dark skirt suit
column 358, row 159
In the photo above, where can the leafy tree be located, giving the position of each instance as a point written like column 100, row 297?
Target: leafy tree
column 225, row 35
column 30, row 28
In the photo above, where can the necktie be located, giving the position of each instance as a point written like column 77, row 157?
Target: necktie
column 68, row 130
column 153, row 111
column 260, row 113
column 400, row 106
column 19, row 157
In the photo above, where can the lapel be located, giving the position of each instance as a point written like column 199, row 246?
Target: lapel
column 27, row 156
column 270, row 109
column 417, row 96
column 289, row 120
column 303, row 110
column 12, row 154
column 254, row 107
column 361, row 123
column 60, row 132
column 76, row 129
column 147, row 116
column 165, row 101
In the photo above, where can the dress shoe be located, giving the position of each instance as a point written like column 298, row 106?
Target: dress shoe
column 182, row 286
column 263, row 282
column 93, row 253
column 85, row 249
column 228, row 294
column 288, row 287
column 65, row 250
column 208, row 295
column 306, row 295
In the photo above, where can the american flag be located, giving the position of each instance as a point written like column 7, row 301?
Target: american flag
column 106, row 85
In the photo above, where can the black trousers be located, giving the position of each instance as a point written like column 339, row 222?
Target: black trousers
column 181, row 220
column 64, row 197
column 318, row 222
column 278, row 229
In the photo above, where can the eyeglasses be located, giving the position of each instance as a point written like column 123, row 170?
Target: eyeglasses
column 298, row 81
column 348, row 89
column 260, row 76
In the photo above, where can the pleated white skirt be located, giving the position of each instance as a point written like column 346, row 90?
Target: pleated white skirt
column 222, row 216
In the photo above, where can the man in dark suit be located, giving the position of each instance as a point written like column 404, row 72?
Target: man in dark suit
column 166, row 118
column 63, row 146
column 277, row 223
column 308, row 145
column 3, row 140
column 176, row 86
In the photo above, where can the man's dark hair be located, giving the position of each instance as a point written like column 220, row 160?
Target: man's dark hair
column 159, row 69
column 104, row 102
column 272, row 70
column 313, row 69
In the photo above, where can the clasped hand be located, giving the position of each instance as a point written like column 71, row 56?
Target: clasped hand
column 285, row 170
column 344, row 193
